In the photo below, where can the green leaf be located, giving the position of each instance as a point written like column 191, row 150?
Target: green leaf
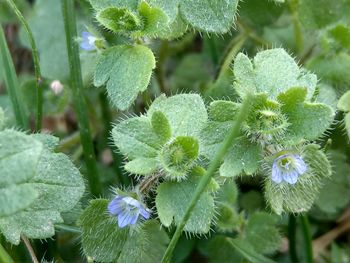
column 172, row 200
column 221, row 110
column 344, row 102
column 147, row 246
column 154, row 20
column 301, row 196
column 226, row 198
column 327, row 95
column 272, row 71
column 142, row 166
column 212, row 135
column 19, row 156
column 15, row 198
column 248, row 252
column 335, row 193
column 104, row 241
column 101, row 238
column 161, row 126
column 169, row 7
column 126, row 71
column 118, row 19
column 186, row 113
column 135, row 137
column 209, row 15
column 47, row 184
column 262, row 234
column 306, row 120
column 243, row 156
column 316, row 14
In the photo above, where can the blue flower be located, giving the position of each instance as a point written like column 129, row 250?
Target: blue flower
column 288, row 167
column 88, row 42
column 127, row 210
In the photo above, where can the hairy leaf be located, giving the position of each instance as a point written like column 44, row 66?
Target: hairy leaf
column 172, row 200
column 45, row 184
column 104, row 241
column 306, row 120
column 272, row 71
column 209, row 15
column 186, row 113
column 301, row 196
column 126, row 71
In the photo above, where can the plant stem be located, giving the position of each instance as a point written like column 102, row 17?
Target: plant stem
column 37, row 70
column 292, row 225
column 4, row 256
column 233, row 47
column 305, row 227
column 241, row 116
column 298, row 35
column 107, row 119
column 68, row 11
column 66, row 228
column 159, row 71
column 11, row 82
column 30, row 249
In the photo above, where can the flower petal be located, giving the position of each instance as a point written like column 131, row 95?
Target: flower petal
column 116, row 206
column 276, row 173
column 145, row 213
column 291, row 177
column 127, row 218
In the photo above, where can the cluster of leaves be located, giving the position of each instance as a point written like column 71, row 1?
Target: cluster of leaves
column 168, row 145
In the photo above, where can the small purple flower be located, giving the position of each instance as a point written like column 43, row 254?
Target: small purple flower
column 127, row 210
column 88, row 42
column 288, row 167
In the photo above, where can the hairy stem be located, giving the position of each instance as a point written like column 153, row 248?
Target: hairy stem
column 233, row 48
column 241, row 116
column 12, row 84
column 305, row 227
column 4, row 256
column 292, row 225
column 37, row 70
column 68, row 11
column 30, row 249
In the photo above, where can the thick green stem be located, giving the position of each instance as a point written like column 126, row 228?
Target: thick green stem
column 292, row 225
column 305, row 227
column 107, row 119
column 4, row 256
column 39, row 90
column 235, row 131
column 76, row 82
column 11, row 83
column 233, row 48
